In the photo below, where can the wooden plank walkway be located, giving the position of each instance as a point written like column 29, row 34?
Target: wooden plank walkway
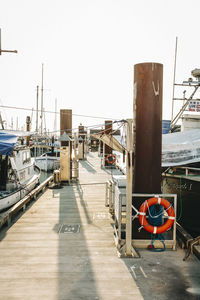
column 37, row 261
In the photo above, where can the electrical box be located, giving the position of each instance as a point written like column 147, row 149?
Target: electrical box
column 65, row 163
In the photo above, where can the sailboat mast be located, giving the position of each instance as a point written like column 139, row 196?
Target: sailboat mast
column 17, row 123
column 55, row 120
column 37, row 109
column 42, row 89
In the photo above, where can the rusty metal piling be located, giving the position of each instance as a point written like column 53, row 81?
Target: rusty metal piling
column 148, row 82
column 147, row 108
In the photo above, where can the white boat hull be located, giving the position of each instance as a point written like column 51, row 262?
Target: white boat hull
column 14, row 197
column 47, row 164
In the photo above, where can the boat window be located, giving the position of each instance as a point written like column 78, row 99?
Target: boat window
column 22, row 175
column 26, row 157
column 53, row 154
column 3, row 171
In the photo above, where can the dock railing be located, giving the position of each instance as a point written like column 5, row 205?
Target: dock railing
column 110, row 196
column 116, row 201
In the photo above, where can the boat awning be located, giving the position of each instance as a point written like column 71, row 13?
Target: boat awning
column 181, row 148
column 7, row 143
column 18, row 133
column 110, row 141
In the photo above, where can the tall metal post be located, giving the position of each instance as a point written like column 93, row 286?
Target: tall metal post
column 148, row 84
column 148, row 80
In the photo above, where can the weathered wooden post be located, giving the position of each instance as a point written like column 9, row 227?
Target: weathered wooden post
column 100, row 148
column 75, row 159
column 75, row 144
column 127, row 250
column 80, row 148
column 129, row 187
column 148, row 84
column 107, row 149
column 28, row 127
column 66, row 144
column 81, row 139
column 65, row 162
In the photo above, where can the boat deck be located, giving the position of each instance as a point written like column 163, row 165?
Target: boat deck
column 43, row 257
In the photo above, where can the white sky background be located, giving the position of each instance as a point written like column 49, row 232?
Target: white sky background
column 89, row 48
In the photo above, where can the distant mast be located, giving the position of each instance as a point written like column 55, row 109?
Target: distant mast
column 42, row 89
column 55, row 120
column 17, row 123
column 36, row 129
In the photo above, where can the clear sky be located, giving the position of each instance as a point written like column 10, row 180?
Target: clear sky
column 89, row 48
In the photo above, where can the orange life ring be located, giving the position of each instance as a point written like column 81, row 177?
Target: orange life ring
column 169, row 209
column 111, row 161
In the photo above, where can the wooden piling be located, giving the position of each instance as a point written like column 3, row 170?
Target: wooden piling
column 148, row 83
column 82, row 134
column 107, row 149
column 66, row 126
column 28, row 126
column 65, row 123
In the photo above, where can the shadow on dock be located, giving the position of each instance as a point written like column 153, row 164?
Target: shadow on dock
column 76, row 278
column 88, row 166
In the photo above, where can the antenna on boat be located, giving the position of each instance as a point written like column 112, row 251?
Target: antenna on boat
column 7, row 51
column 37, row 109
column 172, row 116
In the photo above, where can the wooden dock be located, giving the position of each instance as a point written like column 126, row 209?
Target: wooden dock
column 62, row 247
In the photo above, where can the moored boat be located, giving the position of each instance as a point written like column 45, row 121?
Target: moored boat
column 48, row 161
column 18, row 174
column 185, row 182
